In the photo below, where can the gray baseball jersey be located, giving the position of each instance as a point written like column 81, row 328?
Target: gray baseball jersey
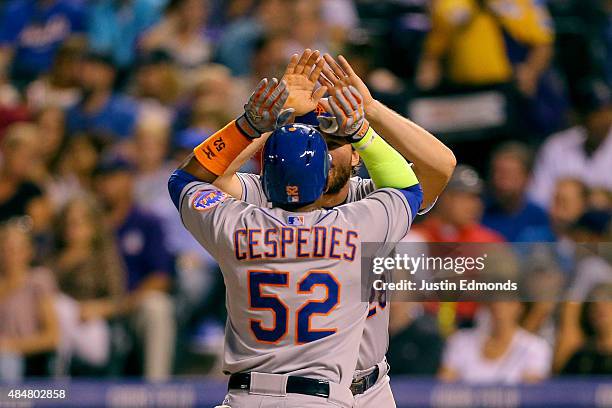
column 375, row 340
column 293, row 279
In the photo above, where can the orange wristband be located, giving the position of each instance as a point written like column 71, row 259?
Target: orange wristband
column 217, row 152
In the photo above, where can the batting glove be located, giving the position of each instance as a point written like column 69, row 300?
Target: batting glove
column 263, row 111
column 348, row 118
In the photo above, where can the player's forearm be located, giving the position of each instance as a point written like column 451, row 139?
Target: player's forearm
column 212, row 158
column 228, row 181
column 433, row 162
column 191, row 166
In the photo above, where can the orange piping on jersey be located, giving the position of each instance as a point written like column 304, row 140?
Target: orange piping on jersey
column 351, row 245
column 334, row 242
column 373, row 312
column 299, row 240
column 239, row 255
column 286, row 285
column 271, row 242
column 217, row 152
column 305, row 292
column 284, row 242
column 315, row 244
column 252, row 243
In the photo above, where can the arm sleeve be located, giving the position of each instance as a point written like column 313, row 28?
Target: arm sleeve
column 386, row 166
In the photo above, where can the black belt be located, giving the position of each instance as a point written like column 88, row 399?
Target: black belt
column 364, row 383
column 295, row 385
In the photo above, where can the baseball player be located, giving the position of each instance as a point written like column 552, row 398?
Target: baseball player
column 433, row 164
column 292, row 271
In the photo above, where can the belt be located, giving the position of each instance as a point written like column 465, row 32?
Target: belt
column 364, row 383
column 295, row 385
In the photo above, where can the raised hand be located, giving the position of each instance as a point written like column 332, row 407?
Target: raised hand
column 337, row 75
column 346, row 104
column 264, row 107
column 302, row 75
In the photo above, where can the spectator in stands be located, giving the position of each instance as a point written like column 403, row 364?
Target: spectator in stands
column 503, row 353
column 569, row 203
column 18, row 194
column 141, row 243
column 23, row 184
column 157, row 85
column 508, row 210
column 196, row 270
column 340, row 18
column 32, row 31
column 591, row 269
column 470, row 34
column 12, row 108
column 9, row 95
column 506, row 45
column 115, row 27
column 73, row 172
column 308, row 29
column 595, row 356
column 239, row 41
column 210, row 103
column 269, row 60
column 600, row 199
column 100, row 110
column 60, row 87
column 415, row 343
column 91, row 277
column 28, row 323
column 583, row 152
column 51, row 122
column 183, row 34
column 151, row 152
column 456, row 216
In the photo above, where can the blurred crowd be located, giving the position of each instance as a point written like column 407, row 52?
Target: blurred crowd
column 100, row 99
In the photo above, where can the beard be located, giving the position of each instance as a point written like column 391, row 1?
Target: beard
column 338, row 178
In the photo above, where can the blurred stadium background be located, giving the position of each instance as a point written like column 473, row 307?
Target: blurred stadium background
column 103, row 291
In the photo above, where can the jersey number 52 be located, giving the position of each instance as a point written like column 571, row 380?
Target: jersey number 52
column 258, row 279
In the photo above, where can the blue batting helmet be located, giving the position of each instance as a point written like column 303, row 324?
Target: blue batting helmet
column 295, row 165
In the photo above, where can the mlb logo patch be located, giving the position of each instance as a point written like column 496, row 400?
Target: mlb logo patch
column 207, row 199
column 295, row 220
column 293, row 194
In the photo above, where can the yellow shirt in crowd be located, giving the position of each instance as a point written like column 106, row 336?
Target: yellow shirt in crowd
column 472, row 40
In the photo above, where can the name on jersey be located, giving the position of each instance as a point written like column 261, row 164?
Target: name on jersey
column 295, row 242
